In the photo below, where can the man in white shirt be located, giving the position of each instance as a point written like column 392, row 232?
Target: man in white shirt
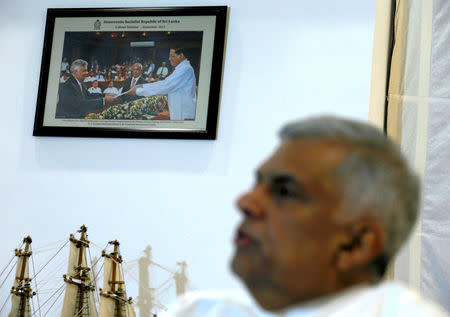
column 95, row 89
column 111, row 90
column 151, row 68
column 99, row 76
column 328, row 211
column 91, row 77
column 179, row 86
column 162, row 71
column 65, row 65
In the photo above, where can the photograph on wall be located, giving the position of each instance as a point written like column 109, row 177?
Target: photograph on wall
column 96, row 64
column 131, row 73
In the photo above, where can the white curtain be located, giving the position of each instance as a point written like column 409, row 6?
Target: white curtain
column 418, row 118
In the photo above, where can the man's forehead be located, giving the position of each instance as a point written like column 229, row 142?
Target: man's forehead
column 305, row 155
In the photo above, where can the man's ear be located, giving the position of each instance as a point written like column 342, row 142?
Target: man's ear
column 366, row 240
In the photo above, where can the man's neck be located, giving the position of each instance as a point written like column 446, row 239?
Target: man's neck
column 181, row 62
column 272, row 297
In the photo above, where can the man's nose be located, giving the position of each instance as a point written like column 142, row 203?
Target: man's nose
column 251, row 203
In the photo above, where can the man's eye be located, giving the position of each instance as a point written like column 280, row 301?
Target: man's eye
column 283, row 191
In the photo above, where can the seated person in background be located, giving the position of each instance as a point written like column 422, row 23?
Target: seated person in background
column 90, row 77
column 162, row 71
column 328, row 211
column 99, row 76
column 64, row 64
column 150, row 69
column 150, row 79
column 95, row 89
column 111, row 89
column 119, row 77
column 74, row 99
column 64, row 77
column 126, row 71
column 109, row 76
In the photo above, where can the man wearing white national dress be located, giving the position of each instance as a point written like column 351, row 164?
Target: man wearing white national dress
column 179, row 86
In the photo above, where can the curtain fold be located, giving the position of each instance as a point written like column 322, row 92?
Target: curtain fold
column 418, row 118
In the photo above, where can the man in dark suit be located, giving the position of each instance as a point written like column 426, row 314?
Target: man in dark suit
column 135, row 79
column 74, row 99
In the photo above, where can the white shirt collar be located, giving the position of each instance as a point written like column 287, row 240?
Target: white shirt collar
column 183, row 62
column 79, row 84
column 314, row 306
column 77, row 80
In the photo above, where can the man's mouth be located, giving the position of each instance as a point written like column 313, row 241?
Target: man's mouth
column 242, row 239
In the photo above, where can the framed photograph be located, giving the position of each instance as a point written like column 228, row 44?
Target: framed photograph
column 131, row 72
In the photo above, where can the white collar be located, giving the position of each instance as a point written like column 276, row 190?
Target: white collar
column 323, row 304
column 183, row 62
column 77, row 80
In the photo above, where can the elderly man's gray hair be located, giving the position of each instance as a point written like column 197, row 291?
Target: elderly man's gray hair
column 138, row 65
column 77, row 65
column 374, row 178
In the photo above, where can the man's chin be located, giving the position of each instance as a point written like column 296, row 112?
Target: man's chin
column 246, row 266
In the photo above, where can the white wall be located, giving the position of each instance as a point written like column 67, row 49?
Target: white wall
column 284, row 60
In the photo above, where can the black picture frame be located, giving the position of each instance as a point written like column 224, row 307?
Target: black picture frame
column 114, row 39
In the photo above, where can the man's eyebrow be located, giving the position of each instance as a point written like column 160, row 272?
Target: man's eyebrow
column 276, row 177
column 283, row 178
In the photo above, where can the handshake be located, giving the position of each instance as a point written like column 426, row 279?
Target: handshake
column 112, row 99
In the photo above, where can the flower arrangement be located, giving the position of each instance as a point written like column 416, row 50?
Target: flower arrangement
column 140, row 109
